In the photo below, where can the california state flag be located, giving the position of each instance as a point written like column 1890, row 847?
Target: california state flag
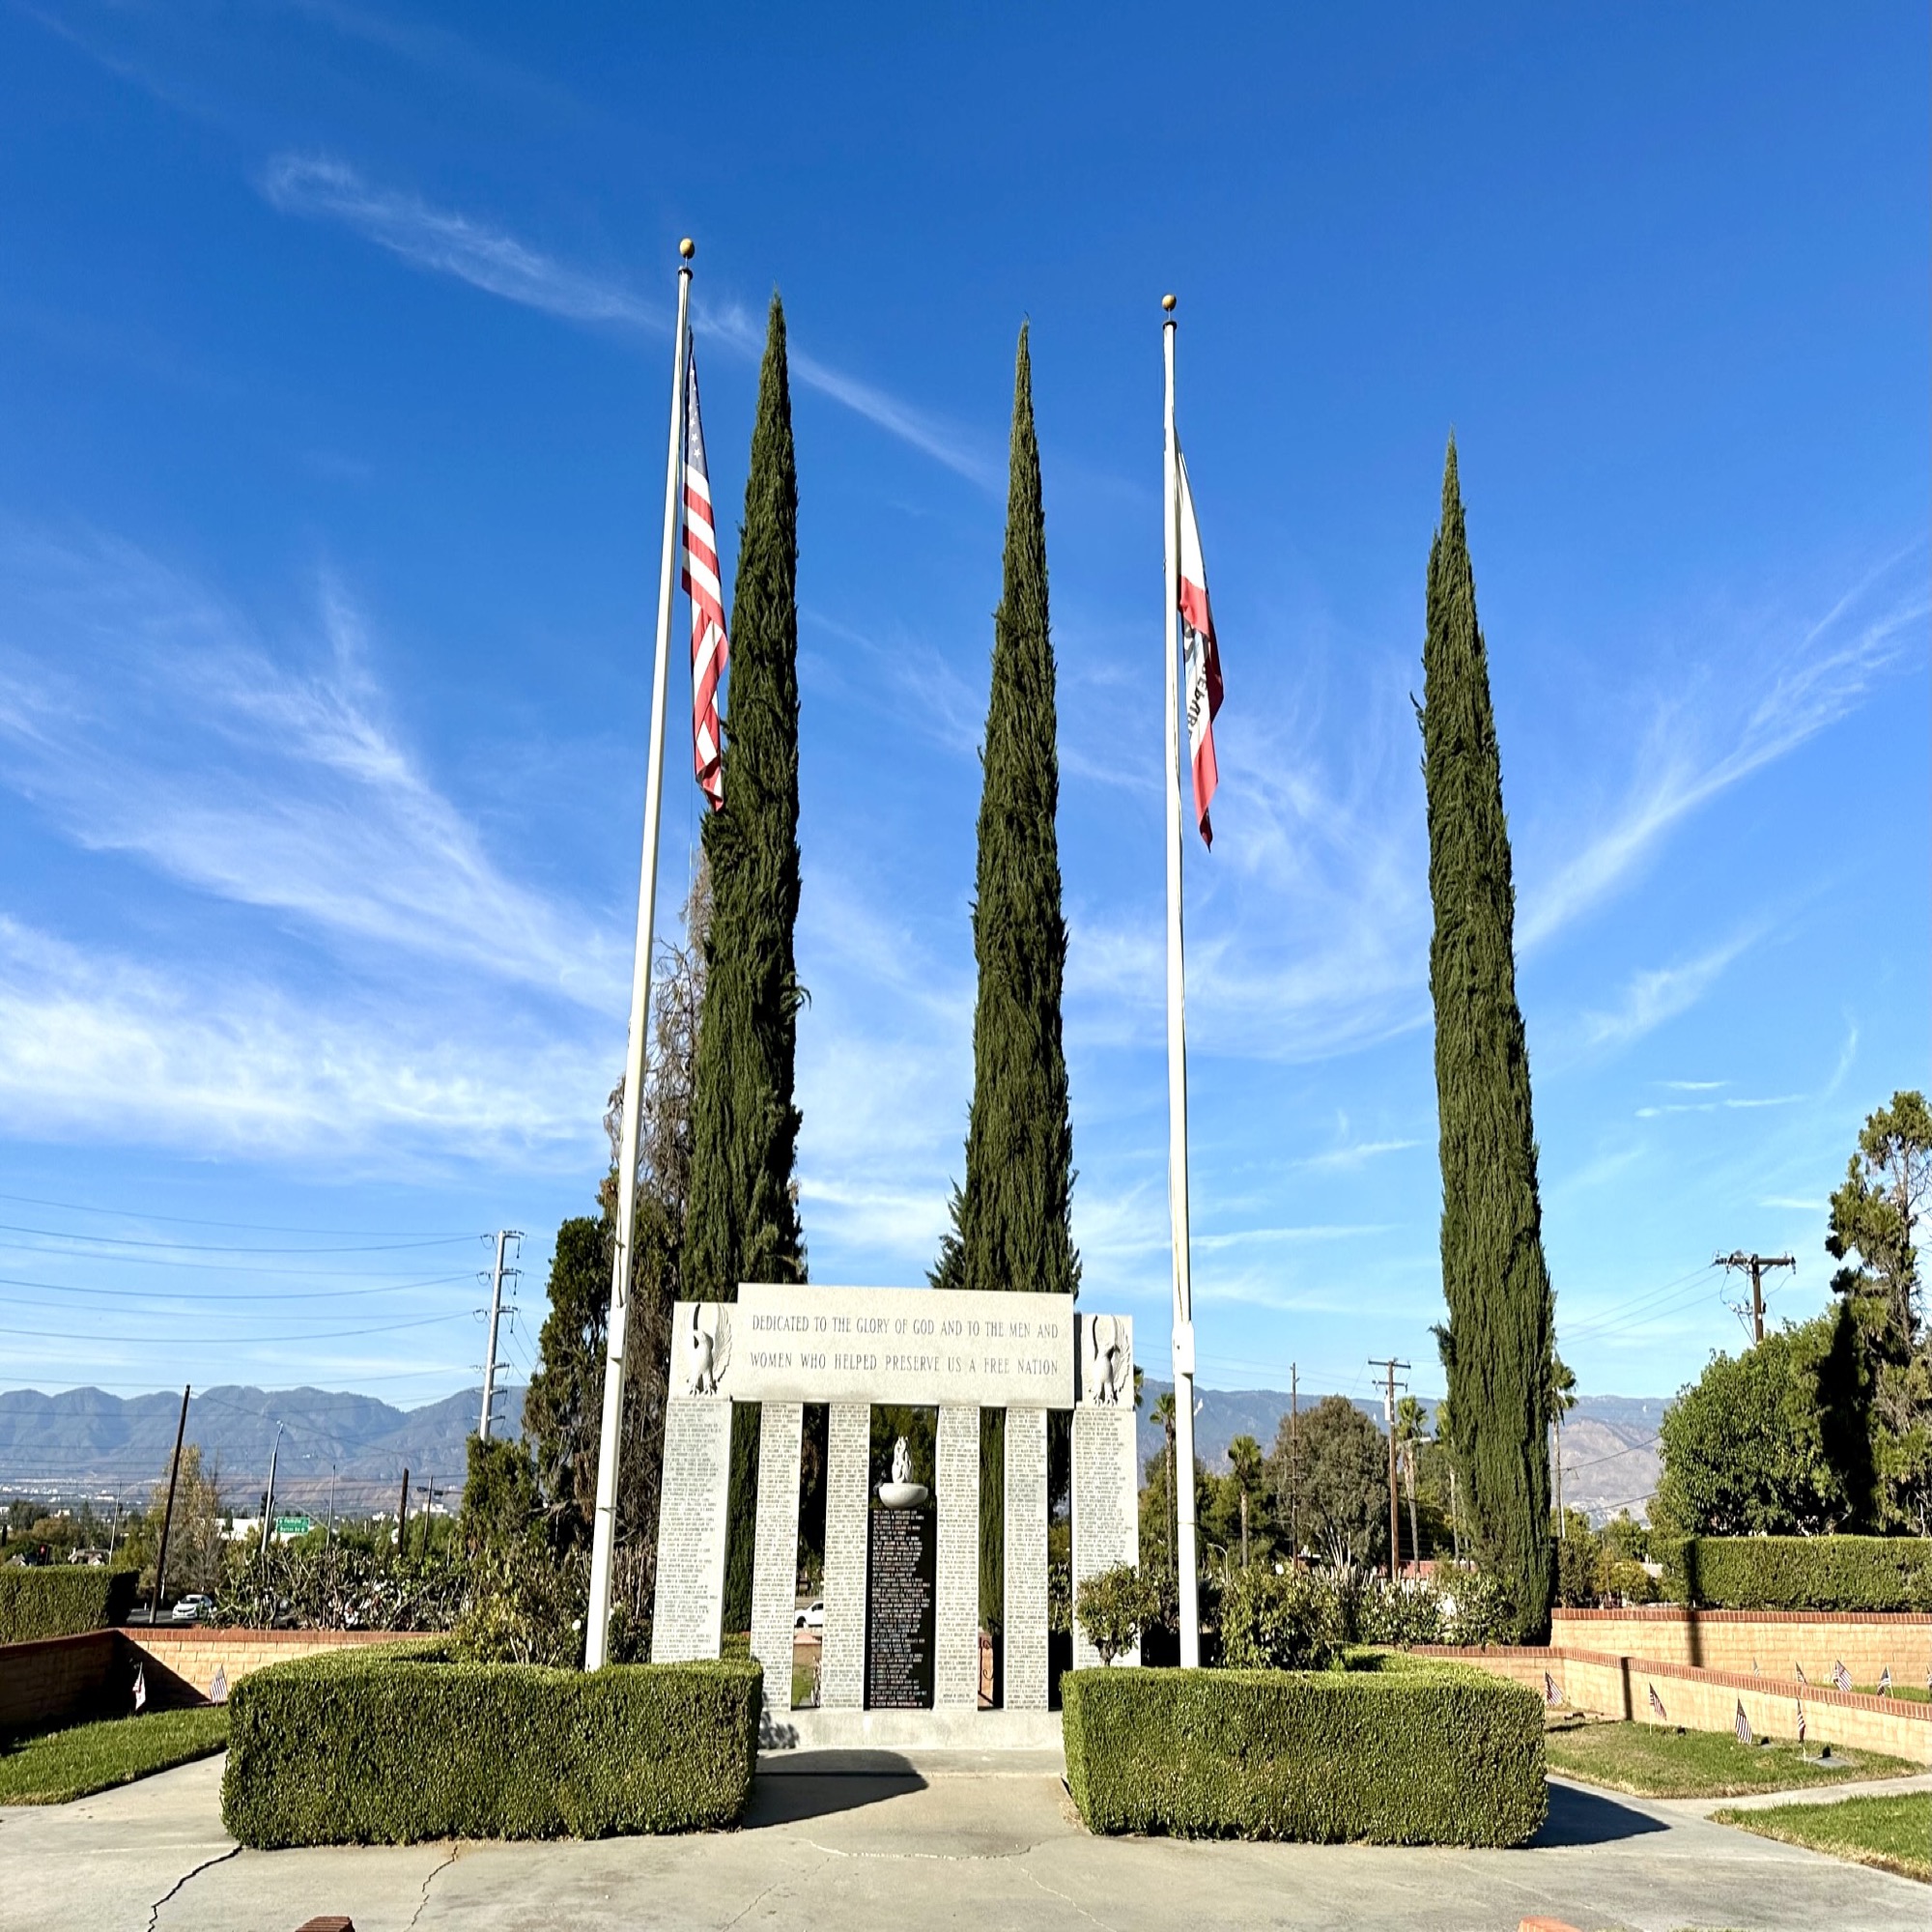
column 1201, row 655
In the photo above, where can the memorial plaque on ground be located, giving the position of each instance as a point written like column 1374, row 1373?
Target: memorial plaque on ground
column 899, row 1610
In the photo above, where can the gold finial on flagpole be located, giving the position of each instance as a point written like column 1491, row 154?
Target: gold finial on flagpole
column 1167, row 302
column 687, row 247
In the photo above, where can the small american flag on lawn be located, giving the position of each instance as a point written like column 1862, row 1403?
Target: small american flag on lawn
column 1841, row 1676
column 140, row 1686
column 1885, row 1682
column 1802, row 1678
column 710, row 648
column 1800, row 1721
column 1741, row 1725
column 1550, row 1693
column 1657, row 1702
column 217, row 1691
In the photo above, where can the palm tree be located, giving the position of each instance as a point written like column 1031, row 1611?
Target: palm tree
column 1562, row 1400
column 1163, row 1413
column 1411, row 1431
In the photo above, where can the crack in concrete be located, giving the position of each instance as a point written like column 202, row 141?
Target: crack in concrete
column 194, row 1871
column 1040, row 1885
column 422, row 1897
column 930, row 1857
column 752, row 1904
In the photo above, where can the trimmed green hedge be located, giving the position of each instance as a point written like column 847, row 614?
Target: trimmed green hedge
column 61, row 1600
column 1394, row 1752
column 1800, row 1573
column 396, row 1745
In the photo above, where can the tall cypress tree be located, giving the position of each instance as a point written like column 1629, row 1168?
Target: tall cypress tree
column 742, row 1220
column 1013, row 1221
column 1498, row 1343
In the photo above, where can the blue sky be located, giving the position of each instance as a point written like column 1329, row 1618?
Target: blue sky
column 333, row 361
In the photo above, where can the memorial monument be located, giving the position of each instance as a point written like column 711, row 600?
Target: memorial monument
column 900, row 1656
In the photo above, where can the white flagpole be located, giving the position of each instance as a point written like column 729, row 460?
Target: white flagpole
column 610, row 1445
column 1177, row 1062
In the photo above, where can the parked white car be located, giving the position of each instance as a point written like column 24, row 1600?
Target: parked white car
column 811, row 1618
column 194, row 1608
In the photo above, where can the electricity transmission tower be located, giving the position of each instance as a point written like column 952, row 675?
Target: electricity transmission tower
column 500, row 1274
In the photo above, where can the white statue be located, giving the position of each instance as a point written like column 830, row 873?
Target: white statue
column 902, row 1461
column 709, row 1348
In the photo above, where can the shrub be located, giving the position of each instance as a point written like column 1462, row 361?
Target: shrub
column 62, row 1599
column 400, row 1743
column 1279, row 1622
column 1799, row 1572
column 1400, row 1752
column 1114, row 1607
column 1475, row 1609
column 1399, row 1613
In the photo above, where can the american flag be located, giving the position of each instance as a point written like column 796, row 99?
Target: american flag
column 710, row 648
column 1800, row 1721
column 140, row 1686
column 1657, row 1702
column 1550, row 1693
column 1841, row 1676
column 1885, row 1682
column 1201, row 654
column 217, row 1691
column 1741, row 1725
column 1802, row 1678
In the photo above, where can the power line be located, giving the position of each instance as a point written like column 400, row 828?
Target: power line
column 316, row 1335
column 237, row 1247
column 232, row 1295
column 237, row 1227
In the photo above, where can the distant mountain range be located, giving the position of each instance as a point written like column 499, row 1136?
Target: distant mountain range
column 86, row 1442
column 1609, row 1441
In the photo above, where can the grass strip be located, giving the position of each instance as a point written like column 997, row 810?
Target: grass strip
column 52, row 1767
column 1655, row 1761
column 1895, row 1833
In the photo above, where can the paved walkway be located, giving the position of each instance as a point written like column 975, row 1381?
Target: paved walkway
column 859, row 1842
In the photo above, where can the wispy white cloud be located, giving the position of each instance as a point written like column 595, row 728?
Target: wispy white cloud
column 446, row 241
column 145, row 716
column 1735, row 1104
column 1661, row 993
column 1699, row 743
column 216, row 1063
column 1694, row 1085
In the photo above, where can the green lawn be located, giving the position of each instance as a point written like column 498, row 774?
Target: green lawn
column 1651, row 1761
column 54, row 1766
column 1893, row 1833
column 1913, row 1693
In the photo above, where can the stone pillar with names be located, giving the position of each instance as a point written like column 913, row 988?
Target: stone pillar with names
column 1106, row 1495
column 841, row 1670
column 775, row 1553
column 1024, row 1636
column 956, row 1643
column 686, row 1619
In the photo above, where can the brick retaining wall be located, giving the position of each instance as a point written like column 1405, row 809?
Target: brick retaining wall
column 1774, row 1641
column 1706, row 1700
column 54, row 1680
column 62, row 1680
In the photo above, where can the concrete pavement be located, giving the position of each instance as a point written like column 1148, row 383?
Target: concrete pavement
column 883, row 1842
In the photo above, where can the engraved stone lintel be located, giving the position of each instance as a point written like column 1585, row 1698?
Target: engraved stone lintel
column 1106, row 1508
column 841, row 1675
column 775, row 1561
column 957, row 1639
column 689, row 1613
column 1025, row 1633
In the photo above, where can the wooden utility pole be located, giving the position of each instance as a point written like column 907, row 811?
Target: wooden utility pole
column 1754, row 1265
column 402, row 1515
column 1295, row 1461
column 168, row 1515
column 1389, row 1366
